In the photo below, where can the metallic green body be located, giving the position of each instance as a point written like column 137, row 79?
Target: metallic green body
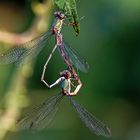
column 58, row 24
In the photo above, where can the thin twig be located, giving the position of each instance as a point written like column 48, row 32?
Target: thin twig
column 39, row 25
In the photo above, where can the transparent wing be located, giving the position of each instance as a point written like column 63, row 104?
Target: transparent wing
column 31, row 48
column 41, row 116
column 79, row 62
column 95, row 125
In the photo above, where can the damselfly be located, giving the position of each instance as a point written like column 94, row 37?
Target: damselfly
column 32, row 48
column 40, row 117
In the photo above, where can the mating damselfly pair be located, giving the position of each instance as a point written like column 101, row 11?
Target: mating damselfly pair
column 39, row 118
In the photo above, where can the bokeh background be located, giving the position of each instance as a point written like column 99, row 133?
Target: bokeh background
column 109, row 40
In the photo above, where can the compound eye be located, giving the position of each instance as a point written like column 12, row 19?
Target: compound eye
column 55, row 13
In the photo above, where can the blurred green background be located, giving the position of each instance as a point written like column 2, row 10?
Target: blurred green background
column 109, row 40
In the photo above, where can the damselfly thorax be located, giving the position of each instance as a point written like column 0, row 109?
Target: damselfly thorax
column 58, row 22
column 65, row 86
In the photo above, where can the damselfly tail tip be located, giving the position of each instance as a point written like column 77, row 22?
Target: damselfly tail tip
column 108, row 134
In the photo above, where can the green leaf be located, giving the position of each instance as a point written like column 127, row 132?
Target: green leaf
column 71, row 9
column 59, row 3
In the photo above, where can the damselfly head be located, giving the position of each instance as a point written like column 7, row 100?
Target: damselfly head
column 59, row 14
column 65, row 73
